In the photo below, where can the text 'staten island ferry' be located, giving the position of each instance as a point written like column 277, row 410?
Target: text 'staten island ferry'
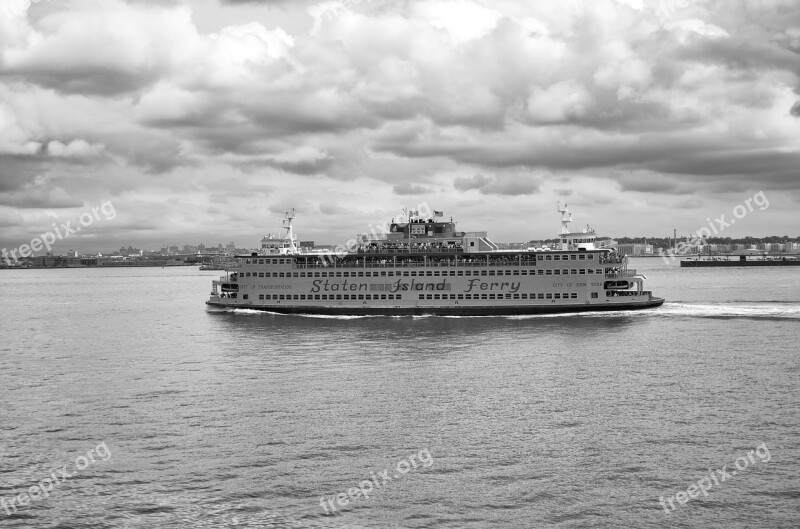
column 424, row 266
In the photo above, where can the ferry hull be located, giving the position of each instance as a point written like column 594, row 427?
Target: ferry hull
column 509, row 310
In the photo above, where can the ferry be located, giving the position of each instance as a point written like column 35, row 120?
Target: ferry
column 424, row 266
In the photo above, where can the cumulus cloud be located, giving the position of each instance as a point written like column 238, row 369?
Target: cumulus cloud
column 364, row 101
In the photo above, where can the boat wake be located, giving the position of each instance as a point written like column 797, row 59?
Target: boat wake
column 728, row 310
column 763, row 310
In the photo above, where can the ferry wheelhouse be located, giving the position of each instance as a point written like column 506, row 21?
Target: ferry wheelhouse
column 425, row 266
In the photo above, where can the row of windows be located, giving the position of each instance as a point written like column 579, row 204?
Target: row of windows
column 460, row 273
column 327, row 297
column 554, row 257
column 565, row 257
column 266, row 261
column 566, row 295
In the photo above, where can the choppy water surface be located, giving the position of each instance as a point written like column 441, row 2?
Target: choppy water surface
column 244, row 419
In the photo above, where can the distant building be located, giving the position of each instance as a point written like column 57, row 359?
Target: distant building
column 635, row 250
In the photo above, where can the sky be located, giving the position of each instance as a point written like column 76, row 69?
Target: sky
column 203, row 120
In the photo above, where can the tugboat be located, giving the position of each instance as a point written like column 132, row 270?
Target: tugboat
column 424, row 266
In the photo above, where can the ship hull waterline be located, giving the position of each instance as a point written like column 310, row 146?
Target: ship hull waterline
column 512, row 310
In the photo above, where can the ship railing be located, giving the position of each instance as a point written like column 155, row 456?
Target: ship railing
column 418, row 264
column 627, row 293
column 621, row 273
column 406, row 251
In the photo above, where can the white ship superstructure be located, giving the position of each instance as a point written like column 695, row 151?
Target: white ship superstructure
column 425, row 266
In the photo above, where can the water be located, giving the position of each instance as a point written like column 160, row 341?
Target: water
column 244, row 419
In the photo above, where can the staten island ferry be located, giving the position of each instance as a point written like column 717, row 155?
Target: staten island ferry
column 424, row 266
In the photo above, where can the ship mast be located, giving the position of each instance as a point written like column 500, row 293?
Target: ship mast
column 566, row 218
column 287, row 225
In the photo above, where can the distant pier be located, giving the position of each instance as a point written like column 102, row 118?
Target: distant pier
column 740, row 260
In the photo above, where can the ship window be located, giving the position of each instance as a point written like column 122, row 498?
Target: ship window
column 295, row 274
column 594, row 295
column 460, row 273
column 346, row 296
column 346, row 274
column 452, row 296
column 261, row 296
column 471, row 243
column 281, row 296
column 557, row 296
column 484, row 296
column 548, row 258
column 413, row 274
column 361, row 296
column 461, row 296
column 574, row 295
column 406, row 273
column 436, row 296
column 591, row 256
column 516, row 272
column 338, row 274
column 430, row 296
column 573, row 257
column 302, row 297
column 452, row 273
column 598, row 271
column 361, row 274
column 525, row 296
column 556, row 258
column 296, row 296
column 581, row 257
column 590, row 271
column 398, row 296
column 556, row 272
column 491, row 296
column 429, row 273
column 508, row 296
column 422, row 296
column 390, row 296
column 261, row 274
column 539, row 296
column 383, row 274
column 573, row 272
column 317, row 297
column 549, row 272
column 483, row 272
